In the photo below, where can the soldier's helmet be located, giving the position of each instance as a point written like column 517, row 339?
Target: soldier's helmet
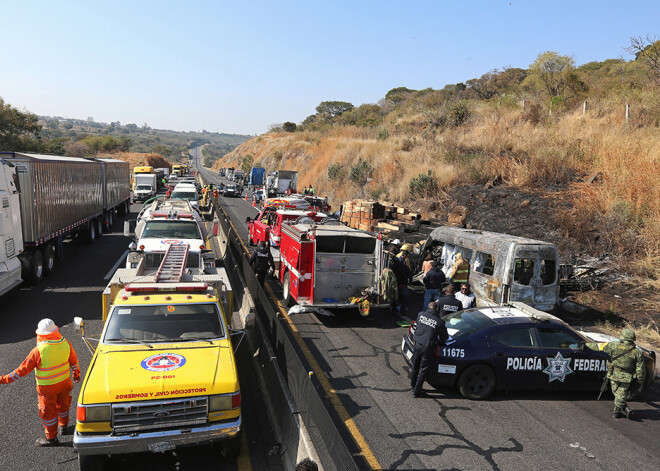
column 628, row 334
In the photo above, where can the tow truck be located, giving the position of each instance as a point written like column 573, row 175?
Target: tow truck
column 327, row 265
column 163, row 375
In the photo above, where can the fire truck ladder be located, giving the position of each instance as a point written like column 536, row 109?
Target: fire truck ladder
column 173, row 264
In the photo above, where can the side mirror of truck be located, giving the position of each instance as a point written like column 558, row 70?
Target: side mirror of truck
column 247, row 220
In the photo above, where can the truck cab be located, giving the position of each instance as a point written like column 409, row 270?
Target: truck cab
column 164, row 374
column 267, row 226
column 11, row 235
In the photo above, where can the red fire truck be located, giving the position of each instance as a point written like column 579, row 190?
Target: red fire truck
column 325, row 265
column 267, row 226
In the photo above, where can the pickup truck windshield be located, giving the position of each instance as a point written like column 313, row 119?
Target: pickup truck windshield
column 161, row 323
column 168, row 229
column 184, row 195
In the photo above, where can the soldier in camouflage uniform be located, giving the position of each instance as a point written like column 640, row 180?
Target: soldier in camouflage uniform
column 626, row 365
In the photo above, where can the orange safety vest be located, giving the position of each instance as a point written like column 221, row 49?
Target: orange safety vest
column 54, row 365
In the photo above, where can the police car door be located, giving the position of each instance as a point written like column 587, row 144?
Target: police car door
column 567, row 365
column 516, row 357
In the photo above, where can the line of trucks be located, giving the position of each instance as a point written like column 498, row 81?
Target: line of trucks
column 45, row 199
column 273, row 183
column 164, row 373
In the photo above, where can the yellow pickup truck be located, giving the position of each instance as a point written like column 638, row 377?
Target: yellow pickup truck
column 163, row 374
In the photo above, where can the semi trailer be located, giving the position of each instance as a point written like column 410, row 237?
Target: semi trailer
column 45, row 199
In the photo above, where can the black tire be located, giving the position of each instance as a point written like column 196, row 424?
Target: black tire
column 477, row 382
column 49, row 259
column 286, row 289
column 251, row 242
column 33, row 267
column 110, row 219
column 90, row 232
column 231, row 448
column 92, row 462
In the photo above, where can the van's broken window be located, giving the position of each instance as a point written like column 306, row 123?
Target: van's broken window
column 484, row 263
column 548, row 271
column 523, row 271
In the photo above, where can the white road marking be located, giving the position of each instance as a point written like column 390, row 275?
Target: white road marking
column 115, row 266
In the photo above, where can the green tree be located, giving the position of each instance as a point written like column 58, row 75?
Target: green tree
column 647, row 50
column 553, row 72
column 289, row 126
column 19, row 131
column 332, row 109
column 360, row 173
column 162, row 150
column 399, row 94
column 246, row 163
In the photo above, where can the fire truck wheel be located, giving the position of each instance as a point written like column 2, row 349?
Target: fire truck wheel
column 250, row 242
column 286, row 285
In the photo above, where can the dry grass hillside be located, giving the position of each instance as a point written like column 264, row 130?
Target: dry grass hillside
column 615, row 214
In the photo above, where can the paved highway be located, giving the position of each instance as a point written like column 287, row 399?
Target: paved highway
column 75, row 290
column 512, row 431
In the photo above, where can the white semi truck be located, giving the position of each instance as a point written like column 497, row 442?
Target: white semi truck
column 44, row 199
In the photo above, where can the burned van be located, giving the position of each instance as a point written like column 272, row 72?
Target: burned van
column 503, row 268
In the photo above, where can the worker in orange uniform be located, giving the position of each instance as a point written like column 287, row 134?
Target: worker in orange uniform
column 53, row 360
column 215, row 193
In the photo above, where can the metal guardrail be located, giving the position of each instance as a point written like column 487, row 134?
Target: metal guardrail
column 304, row 398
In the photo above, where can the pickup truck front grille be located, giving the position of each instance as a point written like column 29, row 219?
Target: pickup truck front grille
column 140, row 416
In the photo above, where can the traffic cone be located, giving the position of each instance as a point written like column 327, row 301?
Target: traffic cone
column 245, row 196
column 254, row 203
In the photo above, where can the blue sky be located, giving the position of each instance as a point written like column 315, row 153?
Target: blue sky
column 240, row 66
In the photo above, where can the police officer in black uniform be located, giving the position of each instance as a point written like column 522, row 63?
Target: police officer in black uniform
column 448, row 304
column 429, row 332
column 261, row 259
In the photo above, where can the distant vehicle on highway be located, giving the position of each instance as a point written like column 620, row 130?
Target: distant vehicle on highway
column 515, row 346
column 231, row 190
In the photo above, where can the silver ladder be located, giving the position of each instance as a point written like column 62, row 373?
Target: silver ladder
column 173, row 264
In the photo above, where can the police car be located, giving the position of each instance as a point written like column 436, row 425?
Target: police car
column 514, row 346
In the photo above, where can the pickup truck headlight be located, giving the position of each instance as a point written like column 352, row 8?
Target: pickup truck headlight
column 93, row 413
column 224, row 401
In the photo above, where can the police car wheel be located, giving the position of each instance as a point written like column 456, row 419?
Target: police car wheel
column 477, row 382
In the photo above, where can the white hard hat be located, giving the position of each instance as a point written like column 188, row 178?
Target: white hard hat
column 396, row 242
column 45, row 327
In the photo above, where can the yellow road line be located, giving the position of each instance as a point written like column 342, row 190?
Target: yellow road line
column 243, row 462
column 365, row 451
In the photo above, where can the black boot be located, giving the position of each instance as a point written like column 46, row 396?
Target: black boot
column 628, row 412
column 43, row 441
column 618, row 413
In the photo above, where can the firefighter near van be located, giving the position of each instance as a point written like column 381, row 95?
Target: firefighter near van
column 261, row 259
column 54, row 361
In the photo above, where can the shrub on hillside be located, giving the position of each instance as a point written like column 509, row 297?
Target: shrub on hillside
column 336, row 172
column 361, row 172
column 424, row 185
column 383, row 134
column 458, row 113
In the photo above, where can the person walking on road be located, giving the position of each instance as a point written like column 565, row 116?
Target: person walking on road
column 54, row 361
column 430, row 331
column 261, row 259
column 433, row 281
column 448, row 303
column 626, row 366
column 466, row 298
